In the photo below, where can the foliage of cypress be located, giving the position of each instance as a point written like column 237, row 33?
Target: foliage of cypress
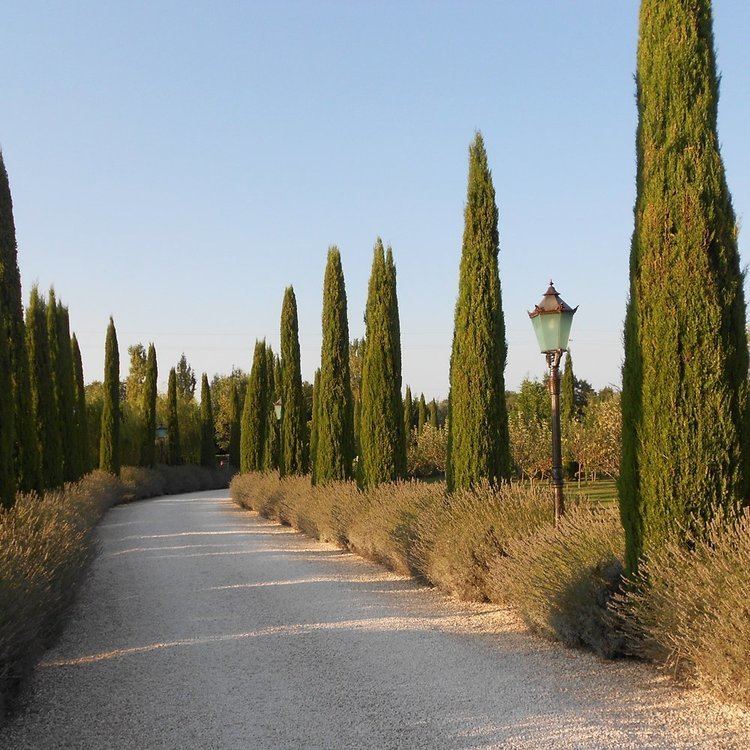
column 684, row 401
column 408, row 415
column 109, row 446
column 255, row 413
column 148, row 444
column 567, row 409
column 82, row 427
column 208, row 442
column 42, row 393
column 26, row 450
column 434, row 418
column 66, row 396
column 314, row 425
column 421, row 413
column 478, row 440
column 7, row 433
column 293, row 458
column 235, row 421
column 174, row 450
column 271, row 446
column 335, row 439
column 381, row 428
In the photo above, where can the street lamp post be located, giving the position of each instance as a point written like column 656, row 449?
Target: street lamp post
column 552, row 319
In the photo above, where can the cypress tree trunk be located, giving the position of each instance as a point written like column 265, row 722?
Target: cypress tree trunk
column 174, row 451
column 684, row 400
column 27, row 459
column 255, row 414
column 43, row 394
column 381, row 430
column 208, row 435
column 7, row 434
column 314, row 425
column 148, row 445
column 434, row 420
column 109, row 447
column 235, row 419
column 478, row 441
column 82, row 426
column 293, row 443
column 421, row 414
column 66, row 397
column 335, row 439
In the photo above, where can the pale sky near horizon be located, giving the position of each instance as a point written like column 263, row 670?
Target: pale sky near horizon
column 178, row 164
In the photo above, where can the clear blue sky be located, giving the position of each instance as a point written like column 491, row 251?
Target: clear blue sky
column 178, row 164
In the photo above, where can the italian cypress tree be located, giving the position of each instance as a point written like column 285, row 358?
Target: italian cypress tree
column 314, row 425
column 174, row 450
column 381, row 431
column 684, row 400
column 208, row 437
column 434, row 419
column 42, row 393
column 82, row 427
column 478, row 441
column 421, row 413
column 567, row 410
column 235, row 420
column 109, row 446
column 27, row 459
column 66, row 395
column 7, row 434
column 271, row 447
column 148, row 445
column 293, row 459
column 335, row 439
column 408, row 415
column 255, row 413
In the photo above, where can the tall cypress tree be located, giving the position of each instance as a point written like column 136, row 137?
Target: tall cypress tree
column 567, row 392
column 255, row 413
column 421, row 413
column 381, row 430
column 82, row 427
column 42, row 393
column 478, row 441
column 109, row 445
column 271, row 446
column 235, row 422
column 684, row 399
column 174, row 450
column 208, row 434
column 434, row 419
column 66, row 396
column 335, row 448
column 293, row 458
column 7, row 434
column 27, row 459
column 408, row 416
column 314, row 425
column 148, row 444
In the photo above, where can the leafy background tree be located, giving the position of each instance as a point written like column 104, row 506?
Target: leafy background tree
column 186, row 381
column 149, row 395
column 174, row 448
column 208, row 446
column 255, row 413
column 226, row 418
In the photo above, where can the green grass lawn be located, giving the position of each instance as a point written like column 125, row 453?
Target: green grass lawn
column 601, row 491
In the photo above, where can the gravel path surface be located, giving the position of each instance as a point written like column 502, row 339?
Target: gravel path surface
column 204, row 626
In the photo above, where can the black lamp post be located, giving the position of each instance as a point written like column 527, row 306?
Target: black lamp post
column 552, row 319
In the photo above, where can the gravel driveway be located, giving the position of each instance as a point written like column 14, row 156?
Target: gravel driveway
column 204, row 626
